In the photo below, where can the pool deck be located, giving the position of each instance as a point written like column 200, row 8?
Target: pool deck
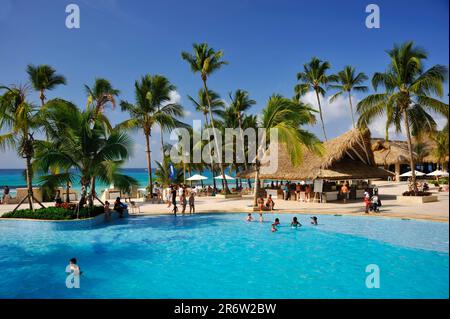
column 435, row 211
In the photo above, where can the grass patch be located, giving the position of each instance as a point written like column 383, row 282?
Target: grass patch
column 55, row 213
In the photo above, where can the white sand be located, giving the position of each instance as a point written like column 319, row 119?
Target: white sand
column 436, row 211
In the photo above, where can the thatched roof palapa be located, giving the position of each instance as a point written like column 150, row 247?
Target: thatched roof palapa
column 348, row 156
column 390, row 152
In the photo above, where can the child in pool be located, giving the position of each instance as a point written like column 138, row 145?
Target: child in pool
column 249, row 217
column 275, row 224
column 261, row 219
column 314, row 220
column 295, row 223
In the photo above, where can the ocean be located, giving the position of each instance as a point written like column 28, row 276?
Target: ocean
column 15, row 178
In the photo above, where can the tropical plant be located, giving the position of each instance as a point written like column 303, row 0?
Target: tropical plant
column 408, row 95
column 314, row 77
column 241, row 102
column 82, row 149
column 201, row 105
column 286, row 117
column 44, row 78
column 348, row 81
column 441, row 146
column 150, row 109
column 206, row 60
column 20, row 118
column 101, row 94
column 162, row 173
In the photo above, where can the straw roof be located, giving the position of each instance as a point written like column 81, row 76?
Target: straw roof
column 390, row 152
column 348, row 156
column 393, row 152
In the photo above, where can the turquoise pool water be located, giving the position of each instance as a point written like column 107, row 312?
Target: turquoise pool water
column 222, row 256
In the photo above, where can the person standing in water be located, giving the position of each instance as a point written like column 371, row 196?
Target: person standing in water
column 192, row 203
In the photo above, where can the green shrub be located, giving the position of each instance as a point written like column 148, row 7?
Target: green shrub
column 55, row 213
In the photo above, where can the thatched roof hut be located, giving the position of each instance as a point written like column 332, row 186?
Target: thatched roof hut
column 348, row 156
column 390, row 152
column 396, row 152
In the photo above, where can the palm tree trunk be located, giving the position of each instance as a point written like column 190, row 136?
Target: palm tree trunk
column 67, row 190
column 30, row 183
column 410, row 149
column 386, row 133
column 222, row 169
column 351, row 108
column 92, row 192
column 210, row 156
column 321, row 116
column 162, row 145
column 42, row 97
column 257, row 186
column 243, row 144
column 149, row 162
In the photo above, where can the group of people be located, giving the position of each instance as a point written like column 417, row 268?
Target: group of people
column 372, row 203
column 299, row 188
column 118, row 207
column 270, row 204
column 294, row 223
column 184, row 197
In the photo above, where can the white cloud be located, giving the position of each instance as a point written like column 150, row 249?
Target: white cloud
column 332, row 112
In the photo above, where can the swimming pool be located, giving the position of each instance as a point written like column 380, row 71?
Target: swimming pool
column 222, row 256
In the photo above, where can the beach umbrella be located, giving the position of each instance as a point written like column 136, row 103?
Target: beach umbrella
column 196, row 177
column 409, row 174
column 227, row 177
column 438, row 173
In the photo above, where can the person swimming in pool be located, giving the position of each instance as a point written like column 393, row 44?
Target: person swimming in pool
column 275, row 224
column 314, row 220
column 261, row 219
column 249, row 217
column 295, row 223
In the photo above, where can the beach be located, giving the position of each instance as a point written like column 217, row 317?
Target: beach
column 391, row 208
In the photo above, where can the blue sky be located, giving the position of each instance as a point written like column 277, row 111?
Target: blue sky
column 265, row 42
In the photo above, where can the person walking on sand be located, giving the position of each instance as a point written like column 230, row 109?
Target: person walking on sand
column 366, row 201
column 344, row 192
column 192, row 203
column 183, row 203
column 174, row 201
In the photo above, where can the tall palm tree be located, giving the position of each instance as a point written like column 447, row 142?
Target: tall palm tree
column 241, row 102
column 21, row 119
column 100, row 95
column 409, row 94
column 348, row 81
column 206, row 60
column 201, row 105
column 314, row 77
column 149, row 110
column 85, row 150
column 43, row 78
column 287, row 117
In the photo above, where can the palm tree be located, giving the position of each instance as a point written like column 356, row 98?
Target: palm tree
column 287, row 117
column 149, row 109
column 100, row 95
column 314, row 78
column 162, row 173
column 85, row 150
column 241, row 102
column 408, row 96
column 206, row 61
column 43, row 77
column 441, row 149
column 201, row 105
column 21, row 119
column 349, row 81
